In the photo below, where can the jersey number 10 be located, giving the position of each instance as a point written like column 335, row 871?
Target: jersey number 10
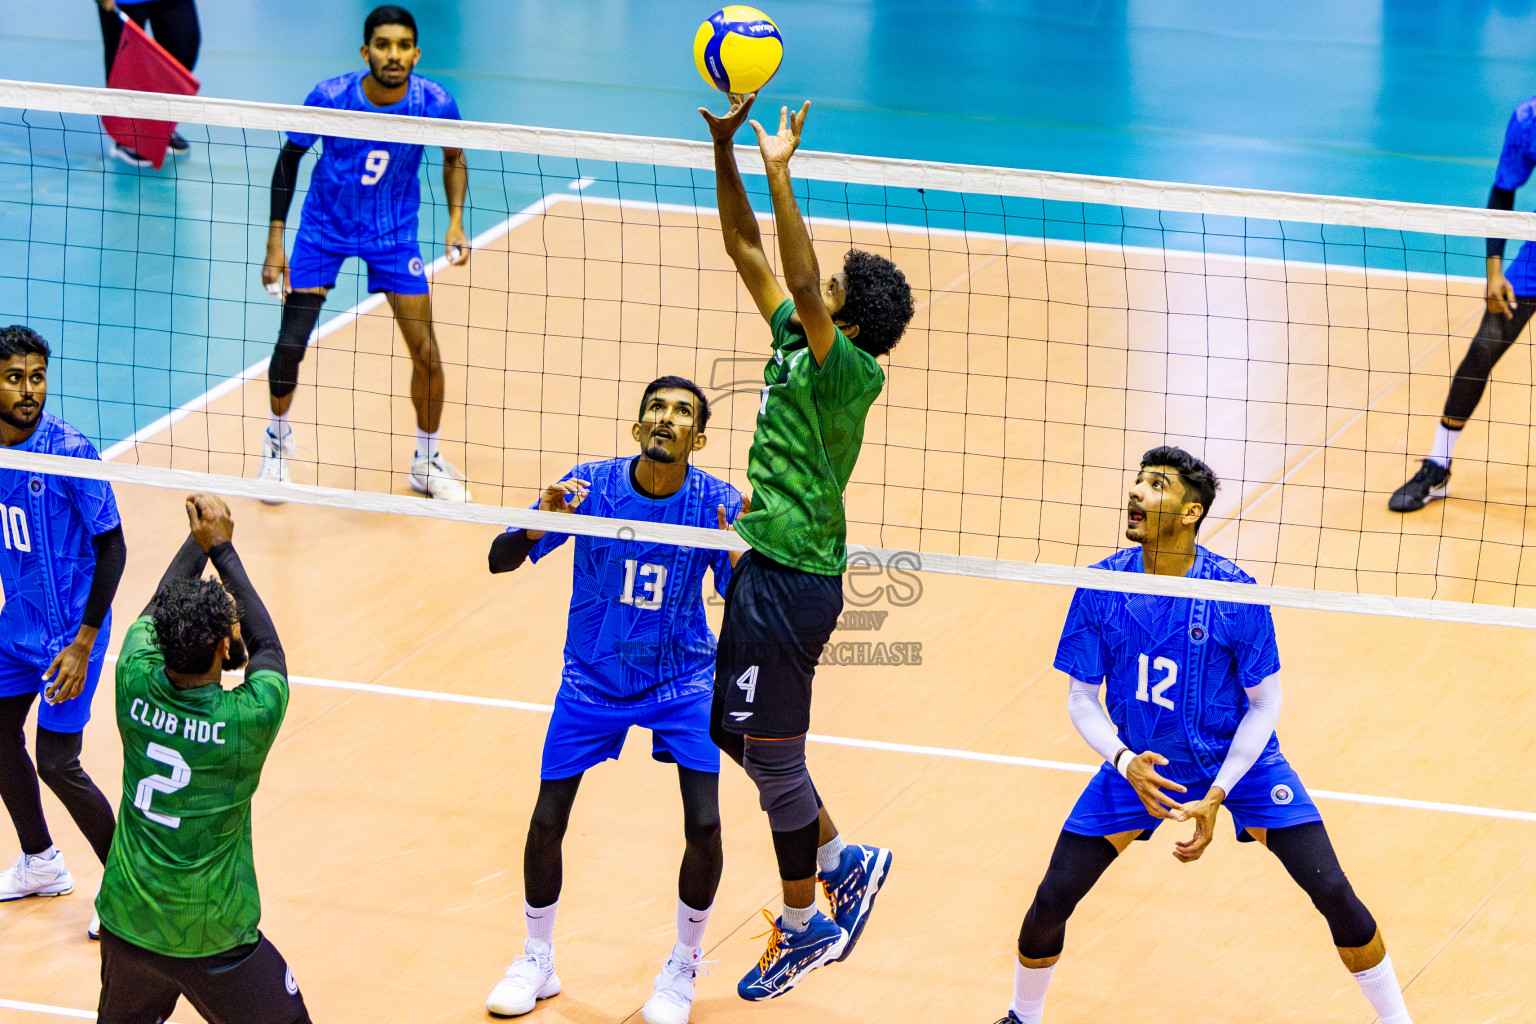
column 13, row 522
column 1169, row 667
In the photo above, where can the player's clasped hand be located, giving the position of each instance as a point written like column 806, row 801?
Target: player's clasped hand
column 274, row 272
column 1203, row 812
column 210, row 521
column 1141, row 773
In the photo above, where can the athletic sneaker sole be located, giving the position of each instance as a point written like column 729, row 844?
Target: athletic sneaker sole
column 38, row 895
column 876, row 880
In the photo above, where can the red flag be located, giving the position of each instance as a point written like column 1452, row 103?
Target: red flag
column 143, row 65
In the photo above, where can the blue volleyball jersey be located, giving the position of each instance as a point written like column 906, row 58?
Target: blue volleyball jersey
column 637, row 633
column 1516, row 161
column 47, row 559
column 1174, row 668
column 363, row 193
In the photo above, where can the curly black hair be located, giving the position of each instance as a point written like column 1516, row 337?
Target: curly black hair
column 879, row 301
column 191, row 617
column 1200, row 483
column 17, row 340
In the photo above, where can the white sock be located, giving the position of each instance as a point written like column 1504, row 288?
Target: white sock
column 1380, row 986
column 279, row 427
column 426, row 444
column 796, row 919
column 1029, row 985
column 830, row 854
column 541, row 923
column 690, row 926
column 1445, row 442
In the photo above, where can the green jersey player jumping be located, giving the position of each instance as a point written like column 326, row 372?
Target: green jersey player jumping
column 178, row 905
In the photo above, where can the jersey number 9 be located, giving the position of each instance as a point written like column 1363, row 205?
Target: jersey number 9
column 375, row 164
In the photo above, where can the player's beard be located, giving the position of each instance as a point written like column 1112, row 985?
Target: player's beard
column 235, row 660
column 657, row 452
column 21, row 422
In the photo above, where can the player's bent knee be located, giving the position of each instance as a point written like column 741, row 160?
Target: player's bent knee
column 777, row 768
column 300, row 314
column 702, row 831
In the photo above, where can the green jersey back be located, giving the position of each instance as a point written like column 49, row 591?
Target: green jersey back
column 810, row 427
column 180, row 879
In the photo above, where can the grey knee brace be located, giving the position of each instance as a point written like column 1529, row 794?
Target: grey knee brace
column 784, row 787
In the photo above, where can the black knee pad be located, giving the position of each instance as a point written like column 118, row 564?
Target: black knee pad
column 300, row 314
column 1076, row 864
column 1309, row 858
column 777, row 768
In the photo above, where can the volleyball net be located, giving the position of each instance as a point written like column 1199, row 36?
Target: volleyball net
column 1065, row 324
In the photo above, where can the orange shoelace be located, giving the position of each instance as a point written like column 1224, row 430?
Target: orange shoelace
column 775, row 943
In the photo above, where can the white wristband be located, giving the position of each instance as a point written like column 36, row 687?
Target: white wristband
column 1125, row 757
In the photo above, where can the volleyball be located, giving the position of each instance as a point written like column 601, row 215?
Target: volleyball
column 738, row 49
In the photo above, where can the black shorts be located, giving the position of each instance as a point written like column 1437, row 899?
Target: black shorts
column 247, row 985
column 777, row 620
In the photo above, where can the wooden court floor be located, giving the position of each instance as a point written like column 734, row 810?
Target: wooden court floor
column 389, row 827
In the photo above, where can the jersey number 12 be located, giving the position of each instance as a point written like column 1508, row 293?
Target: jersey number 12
column 1169, row 667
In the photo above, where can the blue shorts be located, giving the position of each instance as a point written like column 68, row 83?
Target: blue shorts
column 582, row 735
column 19, row 675
column 1269, row 796
column 393, row 265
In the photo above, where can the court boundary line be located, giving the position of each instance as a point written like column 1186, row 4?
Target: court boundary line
column 949, row 753
column 347, row 316
column 1216, row 200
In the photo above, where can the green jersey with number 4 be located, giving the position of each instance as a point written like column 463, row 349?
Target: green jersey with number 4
column 810, row 427
column 180, row 879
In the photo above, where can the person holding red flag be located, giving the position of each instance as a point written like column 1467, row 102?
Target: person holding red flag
column 175, row 27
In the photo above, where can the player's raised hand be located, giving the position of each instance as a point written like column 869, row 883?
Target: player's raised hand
column 565, row 496
column 274, row 272
column 724, row 129
column 777, row 149
column 728, row 524
column 1203, row 812
column 210, row 520
column 1141, row 773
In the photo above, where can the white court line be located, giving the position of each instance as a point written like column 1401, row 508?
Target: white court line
column 922, row 751
column 57, row 1011
column 255, row 370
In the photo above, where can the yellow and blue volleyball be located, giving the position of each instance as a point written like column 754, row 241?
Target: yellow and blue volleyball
column 738, row 49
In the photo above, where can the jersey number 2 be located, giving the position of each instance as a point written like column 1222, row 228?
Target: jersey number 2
column 651, row 599
column 1165, row 665
column 181, row 774
column 376, row 163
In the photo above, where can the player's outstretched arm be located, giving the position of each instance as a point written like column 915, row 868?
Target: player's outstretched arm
column 214, row 530
column 285, row 177
column 455, row 186
column 738, row 224
column 802, row 274
column 188, row 563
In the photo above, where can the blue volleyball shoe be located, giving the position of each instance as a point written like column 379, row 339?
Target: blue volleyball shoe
column 852, row 888
column 792, row 955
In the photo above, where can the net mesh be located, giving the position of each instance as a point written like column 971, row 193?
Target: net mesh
column 1065, row 324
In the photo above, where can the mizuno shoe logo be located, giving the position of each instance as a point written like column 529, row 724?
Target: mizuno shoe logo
column 741, row 716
